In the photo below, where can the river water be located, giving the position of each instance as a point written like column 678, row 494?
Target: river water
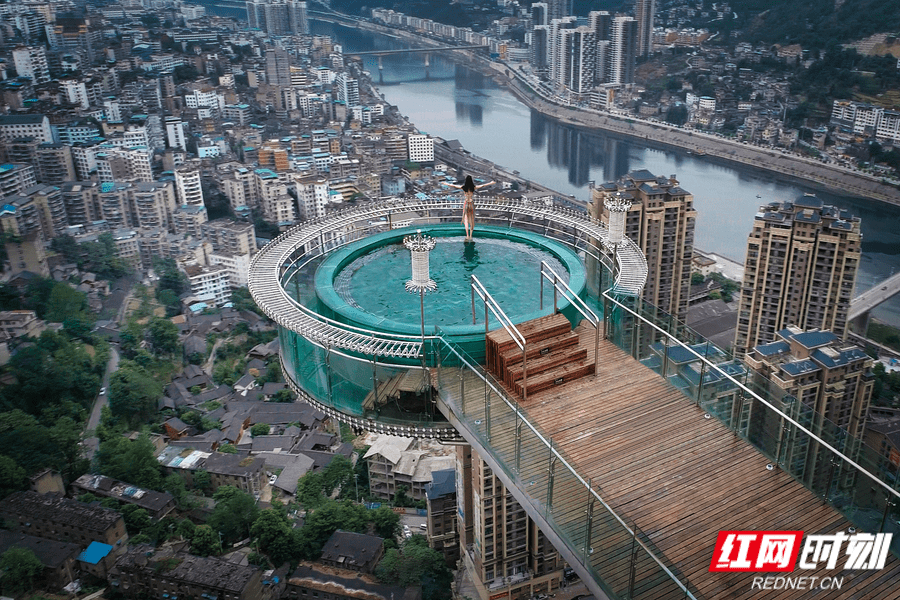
column 454, row 102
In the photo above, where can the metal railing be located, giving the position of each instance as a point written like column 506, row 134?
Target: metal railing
column 561, row 287
column 507, row 324
column 797, row 444
column 582, row 528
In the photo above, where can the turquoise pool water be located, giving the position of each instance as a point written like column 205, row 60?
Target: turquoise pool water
column 363, row 283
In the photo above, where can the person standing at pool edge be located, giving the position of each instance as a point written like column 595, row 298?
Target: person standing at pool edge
column 468, row 188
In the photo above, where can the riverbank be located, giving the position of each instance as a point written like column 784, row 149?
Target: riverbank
column 783, row 165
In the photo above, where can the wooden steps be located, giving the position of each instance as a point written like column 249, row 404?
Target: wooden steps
column 553, row 355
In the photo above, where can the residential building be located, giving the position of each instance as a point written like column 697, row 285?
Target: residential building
column 661, row 222
column 188, row 187
column 312, row 196
column 157, row 504
column 236, row 265
column 175, row 133
column 144, row 571
column 81, row 200
column 882, row 433
column 38, row 208
column 421, row 148
column 213, row 282
column 800, row 270
column 54, row 164
column 227, row 235
column 31, row 62
column 20, row 323
column 278, row 67
column 189, row 220
column 622, row 50
column 153, row 204
column 831, row 377
column 57, row 558
column 644, row 11
column 239, row 114
column 15, row 178
column 396, row 462
column 56, row 518
column 506, row 554
column 352, row 551
column 440, row 496
column 315, row 580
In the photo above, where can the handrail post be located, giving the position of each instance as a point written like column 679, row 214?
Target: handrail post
column 590, row 522
column 597, row 348
column 524, row 372
column 472, row 288
column 541, row 277
column 555, row 288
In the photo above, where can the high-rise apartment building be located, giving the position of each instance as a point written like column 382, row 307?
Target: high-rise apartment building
column 175, row 133
column 187, row 186
column 644, row 11
column 539, row 13
column 816, row 368
column 622, row 50
column 421, row 148
column 661, row 221
column 579, row 55
column 31, row 62
column 54, row 163
column 278, row 67
column 800, row 270
column 558, row 9
column 278, row 17
column 505, row 552
column 555, row 48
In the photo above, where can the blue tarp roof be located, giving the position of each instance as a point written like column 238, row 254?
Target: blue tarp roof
column 94, row 553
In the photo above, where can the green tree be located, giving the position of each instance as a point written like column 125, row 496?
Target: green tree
column 417, row 564
column 401, row 498
column 386, row 522
column 163, row 336
column 136, row 519
column 186, row 529
column 259, row 429
column 133, row 393
column 202, row 480
column 273, row 531
column 227, row 449
column 130, row 461
column 20, row 568
column 285, row 395
column 234, row 513
column 205, row 541
column 12, row 477
column 322, row 522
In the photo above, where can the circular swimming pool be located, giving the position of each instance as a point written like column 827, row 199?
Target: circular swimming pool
column 363, row 283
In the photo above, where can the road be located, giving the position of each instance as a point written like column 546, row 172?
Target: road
column 91, row 443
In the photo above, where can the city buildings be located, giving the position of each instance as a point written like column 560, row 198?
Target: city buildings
column 800, row 270
column 506, row 554
column 661, row 222
column 62, row 519
column 831, row 377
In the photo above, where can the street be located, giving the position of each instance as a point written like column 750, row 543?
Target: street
column 92, row 443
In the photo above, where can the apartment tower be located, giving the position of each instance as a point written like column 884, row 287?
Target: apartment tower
column 800, row 270
column 505, row 552
column 644, row 11
column 661, row 221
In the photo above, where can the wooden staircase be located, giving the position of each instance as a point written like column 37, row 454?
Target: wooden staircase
column 553, row 355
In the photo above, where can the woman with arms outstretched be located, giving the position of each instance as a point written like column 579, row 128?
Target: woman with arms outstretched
column 468, row 188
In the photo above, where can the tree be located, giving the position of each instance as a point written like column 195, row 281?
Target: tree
column 186, row 528
column 386, row 522
column 322, row 522
column 259, row 429
column 163, row 336
column 227, row 449
column 136, row 519
column 133, row 393
column 130, row 461
column 66, row 303
column 205, row 541
column 273, row 531
column 12, row 477
column 20, row 567
column 285, row 395
column 417, row 564
column 697, row 278
column 234, row 513
column 202, row 480
column 401, row 498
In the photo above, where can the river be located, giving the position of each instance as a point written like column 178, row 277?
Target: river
column 454, row 102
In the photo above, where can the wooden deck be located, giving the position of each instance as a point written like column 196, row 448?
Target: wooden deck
column 680, row 477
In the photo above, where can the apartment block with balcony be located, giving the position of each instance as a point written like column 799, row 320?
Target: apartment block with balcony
column 661, row 222
column 440, row 496
column 800, row 270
